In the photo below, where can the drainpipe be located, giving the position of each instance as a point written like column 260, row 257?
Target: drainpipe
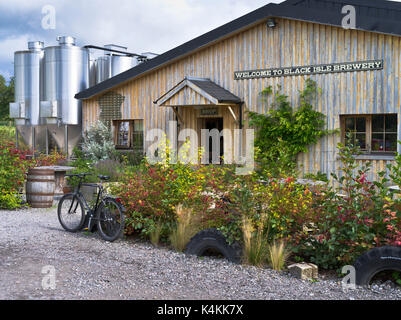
column 33, row 139
column 47, row 140
column 240, row 127
column 66, row 140
column 240, row 114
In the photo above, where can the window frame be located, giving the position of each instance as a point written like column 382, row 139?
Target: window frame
column 131, row 132
column 368, row 131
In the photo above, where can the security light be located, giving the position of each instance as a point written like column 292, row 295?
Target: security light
column 271, row 23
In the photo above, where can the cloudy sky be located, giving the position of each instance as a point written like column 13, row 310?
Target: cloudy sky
column 141, row 25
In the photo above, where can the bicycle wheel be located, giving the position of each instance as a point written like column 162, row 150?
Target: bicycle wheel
column 111, row 220
column 71, row 213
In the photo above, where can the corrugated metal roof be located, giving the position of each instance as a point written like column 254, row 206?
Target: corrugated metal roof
column 372, row 15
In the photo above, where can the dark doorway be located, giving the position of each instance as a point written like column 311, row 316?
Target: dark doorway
column 210, row 124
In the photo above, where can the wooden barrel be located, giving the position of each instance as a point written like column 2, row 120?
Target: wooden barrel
column 40, row 185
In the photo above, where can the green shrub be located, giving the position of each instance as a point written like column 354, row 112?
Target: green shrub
column 131, row 158
column 319, row 176
column 98, row 143
column 154, row 233
column 285, row 131
column 7, row 133
column 13, row 167
column 327, row 225
column 112, row 168
column 152, row 193
column 10, row 201
column 109, row 167
column 351, row 218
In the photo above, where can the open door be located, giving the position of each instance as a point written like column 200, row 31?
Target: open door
column 214, row 148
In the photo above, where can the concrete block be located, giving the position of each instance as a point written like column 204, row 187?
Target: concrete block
column 315, row 270
column 304, row 270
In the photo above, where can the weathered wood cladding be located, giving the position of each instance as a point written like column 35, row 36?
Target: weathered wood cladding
column 290, row 43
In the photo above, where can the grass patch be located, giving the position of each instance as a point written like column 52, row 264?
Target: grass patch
column 278, row 255
column 187, row 227
column 255, row 244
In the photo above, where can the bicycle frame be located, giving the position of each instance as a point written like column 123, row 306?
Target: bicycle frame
column 98, row 198
column 90, row 213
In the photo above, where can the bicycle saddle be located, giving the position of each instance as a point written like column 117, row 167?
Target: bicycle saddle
column 102, row 177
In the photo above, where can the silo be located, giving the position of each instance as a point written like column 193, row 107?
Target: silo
column 92, row 70
column 46, row 81
column 120, row 64
column 28, row 85
column 102, row 69
column 112, row 64
column 66, row 72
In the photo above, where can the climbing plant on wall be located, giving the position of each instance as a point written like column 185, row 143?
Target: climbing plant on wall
column 284, row 131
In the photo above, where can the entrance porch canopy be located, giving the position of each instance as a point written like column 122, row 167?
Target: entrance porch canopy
column 198, row 92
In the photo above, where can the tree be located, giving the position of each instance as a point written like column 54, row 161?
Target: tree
column 6, row 96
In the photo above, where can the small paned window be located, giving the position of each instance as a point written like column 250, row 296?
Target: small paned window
column 374, row 134
column 129, row 134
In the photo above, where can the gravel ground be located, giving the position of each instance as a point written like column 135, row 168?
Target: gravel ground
column 86, row 267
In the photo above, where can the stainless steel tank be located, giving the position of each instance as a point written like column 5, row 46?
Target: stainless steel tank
column 66, row 72
column 102, row 69
column 28, row 74
column 46, row 82
column 120, row 64
column 92, row 71
column 110, row 65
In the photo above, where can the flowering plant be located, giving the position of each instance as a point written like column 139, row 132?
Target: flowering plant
column 350, row 219
column 152, row 193
column 14, row 164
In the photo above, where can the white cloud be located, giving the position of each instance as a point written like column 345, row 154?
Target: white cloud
column 147, row 25
column 11, row 44
column 140, row 25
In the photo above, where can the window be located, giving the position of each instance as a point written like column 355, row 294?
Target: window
column 356, row 126
column 123, row 134
column 137, row 135
column 384, row 133
column 374, row 134
column 128, row 134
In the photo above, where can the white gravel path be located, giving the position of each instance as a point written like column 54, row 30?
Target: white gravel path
column 86, row 267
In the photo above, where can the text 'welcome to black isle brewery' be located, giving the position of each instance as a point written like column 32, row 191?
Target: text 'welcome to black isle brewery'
column 214, row 79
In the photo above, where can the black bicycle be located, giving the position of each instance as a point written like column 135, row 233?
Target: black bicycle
column 107, row 214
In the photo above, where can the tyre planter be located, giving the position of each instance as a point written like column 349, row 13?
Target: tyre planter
column 212, row 239
column 375, row 261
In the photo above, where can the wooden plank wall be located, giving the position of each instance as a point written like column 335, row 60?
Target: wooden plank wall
column 290, row 43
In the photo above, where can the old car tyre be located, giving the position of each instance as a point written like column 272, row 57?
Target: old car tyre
column 376, row 260
column 212, row 239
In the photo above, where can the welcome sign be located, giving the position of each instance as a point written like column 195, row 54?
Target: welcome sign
column 309, row 70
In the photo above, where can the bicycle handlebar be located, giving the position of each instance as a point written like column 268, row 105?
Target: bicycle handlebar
column 100, row 176
column 78, row 174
